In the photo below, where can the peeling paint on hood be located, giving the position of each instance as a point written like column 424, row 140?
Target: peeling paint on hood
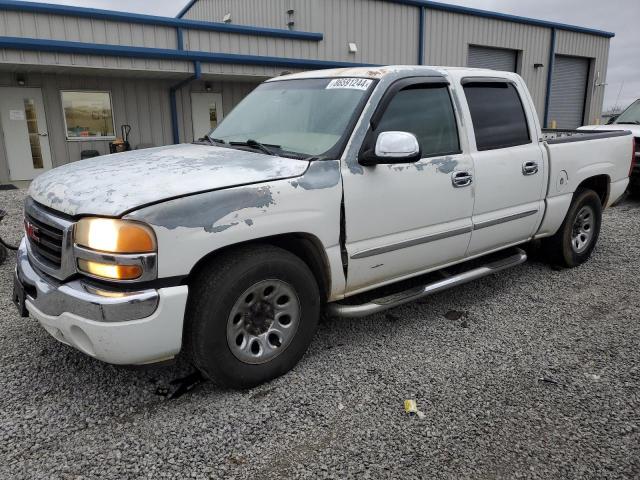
column 114, row 184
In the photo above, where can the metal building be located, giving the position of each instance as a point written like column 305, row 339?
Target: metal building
column 71, row 77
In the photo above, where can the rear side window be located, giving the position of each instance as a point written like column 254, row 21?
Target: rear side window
column 427, row 112
column 498, row 116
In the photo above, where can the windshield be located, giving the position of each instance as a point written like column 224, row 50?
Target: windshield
column 308, row 117
column 631, row 114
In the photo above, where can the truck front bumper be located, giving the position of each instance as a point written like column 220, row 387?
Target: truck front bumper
column 119, row 327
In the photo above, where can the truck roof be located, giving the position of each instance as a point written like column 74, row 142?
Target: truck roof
column 383, row 71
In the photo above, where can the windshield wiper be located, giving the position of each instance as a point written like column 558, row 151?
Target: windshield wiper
column 631, row 122
column 257, row 145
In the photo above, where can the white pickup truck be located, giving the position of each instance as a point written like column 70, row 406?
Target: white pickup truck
column 321, row 191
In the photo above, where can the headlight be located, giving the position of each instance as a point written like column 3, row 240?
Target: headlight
column 114, row 236
column 114, row 249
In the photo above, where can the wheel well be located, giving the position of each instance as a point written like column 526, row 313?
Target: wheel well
column 306, row 247
column 599, row 184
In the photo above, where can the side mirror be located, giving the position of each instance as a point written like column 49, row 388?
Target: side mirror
column 390, row 148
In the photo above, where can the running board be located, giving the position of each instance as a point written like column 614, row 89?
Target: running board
column 384, row 303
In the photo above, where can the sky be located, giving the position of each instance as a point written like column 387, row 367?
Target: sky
column 618, row 16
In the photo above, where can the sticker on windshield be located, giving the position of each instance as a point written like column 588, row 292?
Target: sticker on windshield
column 353, row 83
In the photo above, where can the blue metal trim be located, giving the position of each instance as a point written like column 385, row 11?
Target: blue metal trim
column 155, row 20
column 421, row 37
column 552, row 63
column 173, row 102
column 445, row 7
column 63, row 46
column 186, row 8
column 180, row 38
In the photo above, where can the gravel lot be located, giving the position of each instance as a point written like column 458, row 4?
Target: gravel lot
column 477, row 378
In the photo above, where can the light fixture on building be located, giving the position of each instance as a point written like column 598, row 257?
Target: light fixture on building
column 291, row 24
column 353, row 48
column 20, row 80
column 291, row 11
column 208, row 87
column 538, row 65
column 227, row 18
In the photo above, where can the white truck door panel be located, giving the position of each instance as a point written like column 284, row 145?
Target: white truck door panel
column 510, row 167
column 402, row 219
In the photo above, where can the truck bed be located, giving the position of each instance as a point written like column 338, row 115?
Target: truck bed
column 552, row 136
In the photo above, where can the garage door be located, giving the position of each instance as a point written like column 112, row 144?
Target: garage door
column 493, row 58
column 568, row 91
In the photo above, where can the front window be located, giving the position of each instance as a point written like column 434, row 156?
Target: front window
column 88, row 115
column 309, row 117
column 631, row 115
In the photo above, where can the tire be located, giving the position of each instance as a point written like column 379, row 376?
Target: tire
column 574, row 242
column 224, row 325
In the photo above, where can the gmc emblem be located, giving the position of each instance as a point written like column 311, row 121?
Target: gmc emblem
column 31, row 231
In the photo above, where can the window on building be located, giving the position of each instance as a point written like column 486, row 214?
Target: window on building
column 427, row 112
column 499, row 120
column 88, row 115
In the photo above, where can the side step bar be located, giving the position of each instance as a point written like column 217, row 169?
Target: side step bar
column 384, row 303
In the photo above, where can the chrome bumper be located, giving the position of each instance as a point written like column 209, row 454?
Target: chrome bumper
column 79, row 298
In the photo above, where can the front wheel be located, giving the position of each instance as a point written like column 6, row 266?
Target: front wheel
column 574, row 242
column 251, row 316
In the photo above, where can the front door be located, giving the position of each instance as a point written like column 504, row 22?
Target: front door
column 24, row 127
column 206, row 112
column 404, row 219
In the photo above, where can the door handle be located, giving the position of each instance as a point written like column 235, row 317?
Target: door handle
column 529, row 168
column 461, row 179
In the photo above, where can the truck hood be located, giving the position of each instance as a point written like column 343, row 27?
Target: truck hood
column 114, row 184
column 634, row 129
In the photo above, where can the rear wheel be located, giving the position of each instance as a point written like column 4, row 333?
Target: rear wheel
column 574, row 242
column 251, row 316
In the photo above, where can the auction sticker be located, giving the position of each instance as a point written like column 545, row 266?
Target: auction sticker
column 352, row 83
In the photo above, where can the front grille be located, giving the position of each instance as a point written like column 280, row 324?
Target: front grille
column 45, row 241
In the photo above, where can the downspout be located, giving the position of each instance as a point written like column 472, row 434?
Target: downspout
column 421, row 37
column 552, row 62
column 197, row 74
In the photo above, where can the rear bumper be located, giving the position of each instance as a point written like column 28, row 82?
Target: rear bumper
column 116, row 327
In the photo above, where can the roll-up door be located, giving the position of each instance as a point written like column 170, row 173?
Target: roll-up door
column 494, row 58
column 568, row 91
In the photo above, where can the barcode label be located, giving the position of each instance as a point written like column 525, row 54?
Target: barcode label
column 353, row 83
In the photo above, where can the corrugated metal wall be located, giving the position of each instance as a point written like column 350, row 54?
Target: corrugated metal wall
column 142, row 103
column 384, row 32
column 448, row 36
column 87, row 30
column 597, row 49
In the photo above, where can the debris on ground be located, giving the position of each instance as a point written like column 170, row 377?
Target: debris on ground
column 411, row 407
column 183, row 385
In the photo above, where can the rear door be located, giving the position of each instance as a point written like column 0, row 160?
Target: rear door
column 406, row 218
column 509, row 164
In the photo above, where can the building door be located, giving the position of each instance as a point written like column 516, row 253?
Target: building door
column 568, row 92
column 24, row 127
column 206, row 112
column 493, row 58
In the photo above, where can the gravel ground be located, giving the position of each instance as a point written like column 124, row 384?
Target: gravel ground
column 538, row 376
